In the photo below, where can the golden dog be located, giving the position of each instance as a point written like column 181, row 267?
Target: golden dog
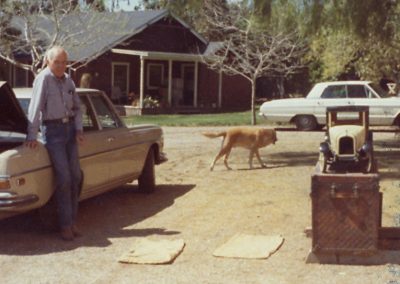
column 246, row 137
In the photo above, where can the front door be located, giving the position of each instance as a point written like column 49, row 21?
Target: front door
column 188, row 84
column 120, row 82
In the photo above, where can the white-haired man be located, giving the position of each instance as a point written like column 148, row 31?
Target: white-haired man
column 55, row 109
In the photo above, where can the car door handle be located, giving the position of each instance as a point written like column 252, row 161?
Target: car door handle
column 110, row 139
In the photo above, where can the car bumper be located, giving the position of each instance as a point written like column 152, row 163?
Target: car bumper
column 11, row 199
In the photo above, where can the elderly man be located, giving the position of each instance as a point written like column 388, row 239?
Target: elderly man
column 55, row 108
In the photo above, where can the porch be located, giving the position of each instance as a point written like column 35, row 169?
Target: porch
column 167, row 83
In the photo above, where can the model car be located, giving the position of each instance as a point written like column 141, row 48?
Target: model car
column 111, row 155
column 348, row 144
column 309, row 113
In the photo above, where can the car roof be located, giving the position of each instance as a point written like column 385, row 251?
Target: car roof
column 343, row 83
column 26, row 93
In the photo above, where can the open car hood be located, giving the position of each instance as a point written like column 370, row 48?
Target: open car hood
column 12, row 117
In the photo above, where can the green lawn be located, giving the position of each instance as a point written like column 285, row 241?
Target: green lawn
column 219, row 119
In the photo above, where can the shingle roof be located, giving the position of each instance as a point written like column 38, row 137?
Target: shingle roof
column 88, row 35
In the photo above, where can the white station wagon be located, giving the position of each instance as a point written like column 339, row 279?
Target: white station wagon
column 309, row 113
column 111, row 155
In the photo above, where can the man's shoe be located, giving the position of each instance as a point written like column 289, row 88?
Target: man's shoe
column 67, row 234
column 76, row 231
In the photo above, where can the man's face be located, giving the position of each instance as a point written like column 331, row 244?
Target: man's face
column 58, row 64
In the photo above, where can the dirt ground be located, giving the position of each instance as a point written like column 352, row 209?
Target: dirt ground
column 205, row 209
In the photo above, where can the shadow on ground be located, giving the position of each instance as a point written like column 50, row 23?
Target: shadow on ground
column 100, row 218
column 292, row 159
column 387, row 153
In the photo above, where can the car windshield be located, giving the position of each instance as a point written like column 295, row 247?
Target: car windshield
column 379, row 90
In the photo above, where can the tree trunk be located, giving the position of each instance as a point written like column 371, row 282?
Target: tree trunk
column 253, row 101
column 281, row 87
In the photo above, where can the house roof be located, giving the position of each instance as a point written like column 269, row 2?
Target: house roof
column 88, row 35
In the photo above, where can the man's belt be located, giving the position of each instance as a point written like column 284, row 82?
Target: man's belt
column 58, row 121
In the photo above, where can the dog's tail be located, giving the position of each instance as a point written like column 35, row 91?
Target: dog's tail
column 214, row 135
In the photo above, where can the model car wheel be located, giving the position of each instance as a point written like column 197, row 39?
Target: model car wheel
column 323, row 162
column 370, row 166
column 147, row 180
column 306, row 122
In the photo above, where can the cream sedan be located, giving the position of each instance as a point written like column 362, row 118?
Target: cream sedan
column 309, row 113
column 112, row 154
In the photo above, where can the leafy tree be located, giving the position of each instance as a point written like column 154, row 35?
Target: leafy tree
column 247, row 50
column 29, row 28
column 352, row 38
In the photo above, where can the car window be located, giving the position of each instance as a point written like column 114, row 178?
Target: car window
column 88, row 118
column 24, row 103
column 356, row 91
column 105, row 114
column 378, row 89
column 334, row 92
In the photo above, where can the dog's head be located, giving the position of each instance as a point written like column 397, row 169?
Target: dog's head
column 269, row 136
column 274, row 138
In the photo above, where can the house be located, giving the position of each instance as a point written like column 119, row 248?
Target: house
column 149, row 58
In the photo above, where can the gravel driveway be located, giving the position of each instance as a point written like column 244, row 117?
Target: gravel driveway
column 205, row 209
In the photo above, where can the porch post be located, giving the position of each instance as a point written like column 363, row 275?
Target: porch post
column 220, row 89
column 196, row 74
column 141, row 83
column 170, row 83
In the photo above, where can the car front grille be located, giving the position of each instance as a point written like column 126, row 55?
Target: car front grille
column 346, row 146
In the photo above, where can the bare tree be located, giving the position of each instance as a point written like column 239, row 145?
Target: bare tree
column 32, row 27
column 247, row 50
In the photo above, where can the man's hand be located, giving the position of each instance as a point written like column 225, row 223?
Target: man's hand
column 32, row 144
column 80, row 139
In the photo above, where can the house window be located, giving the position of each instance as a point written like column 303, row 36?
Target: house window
column 155, row 75
column 20, row 77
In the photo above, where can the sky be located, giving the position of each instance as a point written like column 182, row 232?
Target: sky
column 123, row 4
column 132, row 3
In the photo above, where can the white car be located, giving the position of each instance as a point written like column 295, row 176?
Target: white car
column 111, row 155
column 309, row 113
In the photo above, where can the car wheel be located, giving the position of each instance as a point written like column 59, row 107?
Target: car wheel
column 48, row 215
column 147, row 179
column 306, row 122
column 323, row 163
column 370, row 166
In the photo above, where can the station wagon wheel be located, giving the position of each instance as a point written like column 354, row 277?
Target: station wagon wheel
column 147, row 179
column 48, row 215
column 306, row 122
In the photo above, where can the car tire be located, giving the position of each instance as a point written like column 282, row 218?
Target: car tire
column 370, row 165
column 323, row 163
column 147, row 179
column 306, row 122
column 48, row 215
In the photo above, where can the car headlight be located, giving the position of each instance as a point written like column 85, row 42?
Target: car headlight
column 366, row 148
column 324, row 147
